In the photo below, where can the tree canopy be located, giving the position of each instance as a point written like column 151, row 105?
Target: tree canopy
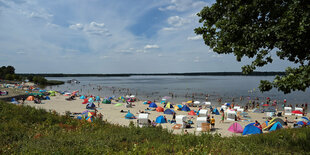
column 254, row 29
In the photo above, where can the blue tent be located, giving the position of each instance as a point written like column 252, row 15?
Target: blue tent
column 153, row 105
column 227, row 104
column 186, row 108
column 162, row 102
column 276, row 126
column 13, row 99
column 90, row 100
column 215, row 111
column 98, row 98
column 300, row 123
column 305, row 118
column 90, row 106
column 130, row 116
column 145, row 102
column 47, row 98
column 180, row 106
column 161, row 119
column 251, row 129
column 82, row 97
column 79, row 117
column 308, row 123
column 169, row 111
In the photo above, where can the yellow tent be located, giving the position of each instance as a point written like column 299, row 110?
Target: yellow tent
column 176, row 108
column 168, row 105
column 189, row 102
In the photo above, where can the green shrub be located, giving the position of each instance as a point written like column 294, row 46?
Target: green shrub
column 26, row 130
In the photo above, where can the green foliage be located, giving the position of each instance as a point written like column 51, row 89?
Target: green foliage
column 26, row 130
column 254, row 29
column 4, row 71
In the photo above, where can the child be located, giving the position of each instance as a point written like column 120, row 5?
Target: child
column 212, row 122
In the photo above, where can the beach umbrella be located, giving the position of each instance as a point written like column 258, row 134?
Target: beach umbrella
column 296, row 112
column 118, row 105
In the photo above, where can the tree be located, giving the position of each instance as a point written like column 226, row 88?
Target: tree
column 254, row 29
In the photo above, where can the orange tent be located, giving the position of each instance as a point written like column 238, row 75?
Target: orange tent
column 192, row 113
column 30, row 98
column 160, row 109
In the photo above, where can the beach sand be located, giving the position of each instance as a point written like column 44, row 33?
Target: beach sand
column 113, row 115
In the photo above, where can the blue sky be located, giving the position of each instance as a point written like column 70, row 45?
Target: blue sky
column 104, row 36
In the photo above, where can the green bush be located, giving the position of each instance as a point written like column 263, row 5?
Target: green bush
column 26, row 130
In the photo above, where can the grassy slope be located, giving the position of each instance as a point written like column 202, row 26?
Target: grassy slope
column 27, row 130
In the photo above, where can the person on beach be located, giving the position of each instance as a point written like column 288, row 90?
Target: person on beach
column 285, row 122
column 185, row 132
column 212, row 122
column 223, row 116
column 257, row 124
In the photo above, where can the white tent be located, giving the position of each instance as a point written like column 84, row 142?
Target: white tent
column 203, row 113
column 200, row 120
column 287, row 111
column 180, row 119
column 298, row 109
column 143, row 120
column 208, row 104
column 231, row 115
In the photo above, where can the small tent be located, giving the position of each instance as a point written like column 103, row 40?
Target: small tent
column 277, row 120
column 30, row 98
column 161, row 119
column 85, row 101
column 235, row 128
column 106, row 101
column 160, row 109
column 168, row 105
column 185, row 108
column 192, row 112
column 130, row 115
column 276, row 126
column 169, row 111
column 215, row 111
column 47, row 98
column 90, row 106
column 91, row 100
column 97, row 98
column 176, row 108
column 251, row 129
column 153, row 105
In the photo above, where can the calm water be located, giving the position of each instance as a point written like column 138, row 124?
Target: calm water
column 182, row 88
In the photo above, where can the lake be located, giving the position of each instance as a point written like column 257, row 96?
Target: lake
column 181, row 88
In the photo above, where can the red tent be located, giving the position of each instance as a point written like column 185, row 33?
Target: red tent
column 265, row 105
column 192, row 113
column 149, row 102
column 85, row 101
column 160, row 109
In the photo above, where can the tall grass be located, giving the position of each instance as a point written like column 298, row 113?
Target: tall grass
column 27, row 130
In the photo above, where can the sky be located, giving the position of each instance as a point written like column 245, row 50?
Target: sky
column 104, row 36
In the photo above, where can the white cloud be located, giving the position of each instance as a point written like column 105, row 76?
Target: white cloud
column 92, row 28
column 183, row 5
column 177, row 21
column 151, row 46
column 77, row 26
column 39, row 15
column 216, row 56
column 169, row 29
column 198, row 37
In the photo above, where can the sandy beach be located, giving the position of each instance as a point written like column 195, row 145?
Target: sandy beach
column 113, row 115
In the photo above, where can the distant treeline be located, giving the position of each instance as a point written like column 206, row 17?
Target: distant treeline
column 157, row 74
